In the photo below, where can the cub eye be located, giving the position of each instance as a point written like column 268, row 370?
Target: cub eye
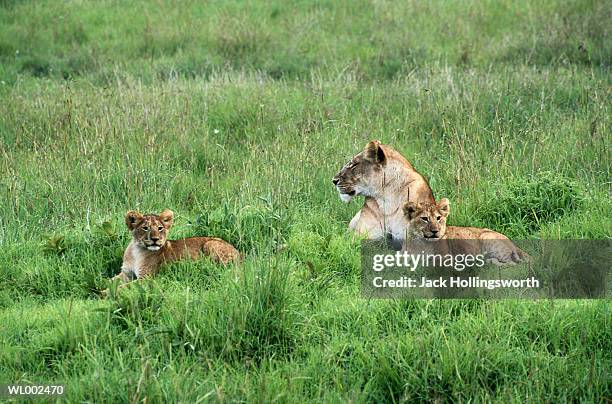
column 425, row 219
column 160, row 228
column 145, row 228
column 438, row 218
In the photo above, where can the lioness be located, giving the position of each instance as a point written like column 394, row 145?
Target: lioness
column 387, row 180
column 150, row 248
column 427, row 222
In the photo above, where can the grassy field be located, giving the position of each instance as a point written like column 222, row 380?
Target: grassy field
column 236, row 115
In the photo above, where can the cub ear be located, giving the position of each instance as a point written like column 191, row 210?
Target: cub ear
column 444, row 207
column 133, row 219
column 374, row 152
column 410, row 208
column 167, row 218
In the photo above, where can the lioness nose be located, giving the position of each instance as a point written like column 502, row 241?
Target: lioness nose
column 154, row 238
column 434, row 232
column 335, row 180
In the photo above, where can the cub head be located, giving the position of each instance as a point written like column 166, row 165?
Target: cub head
column 149, row 231
column 363, row 174
column 427, row 220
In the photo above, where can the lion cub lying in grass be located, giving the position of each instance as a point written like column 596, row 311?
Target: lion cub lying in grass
column 427, row 223
column 150, row 248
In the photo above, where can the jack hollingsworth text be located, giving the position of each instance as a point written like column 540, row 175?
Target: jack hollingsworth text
column 473, row 282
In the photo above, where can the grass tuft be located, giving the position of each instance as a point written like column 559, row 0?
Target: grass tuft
column 523, row 206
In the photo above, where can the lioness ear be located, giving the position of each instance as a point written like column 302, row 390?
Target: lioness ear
column 167, row 218
column 374, row 152
column 132, row 219
column 444, row 206
column 410, row 209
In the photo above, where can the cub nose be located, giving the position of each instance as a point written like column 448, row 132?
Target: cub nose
column 154, row 239
column 434, row 232
column 335, row 180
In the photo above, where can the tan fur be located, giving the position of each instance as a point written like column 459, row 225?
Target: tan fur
column 427, row 222
column 387, row 180
column 150, row 248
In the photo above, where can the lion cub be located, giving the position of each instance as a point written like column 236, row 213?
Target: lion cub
column 427, row 223
column 150, row 248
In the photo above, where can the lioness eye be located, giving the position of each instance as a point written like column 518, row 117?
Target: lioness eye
column 438, row 218
column 424, row 219
column 160, row 228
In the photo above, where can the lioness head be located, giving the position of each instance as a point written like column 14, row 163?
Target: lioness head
column 362, row 175
column 427, row 220
column 149, row 231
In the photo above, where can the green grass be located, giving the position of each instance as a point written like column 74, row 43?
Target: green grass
column 236, row 115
